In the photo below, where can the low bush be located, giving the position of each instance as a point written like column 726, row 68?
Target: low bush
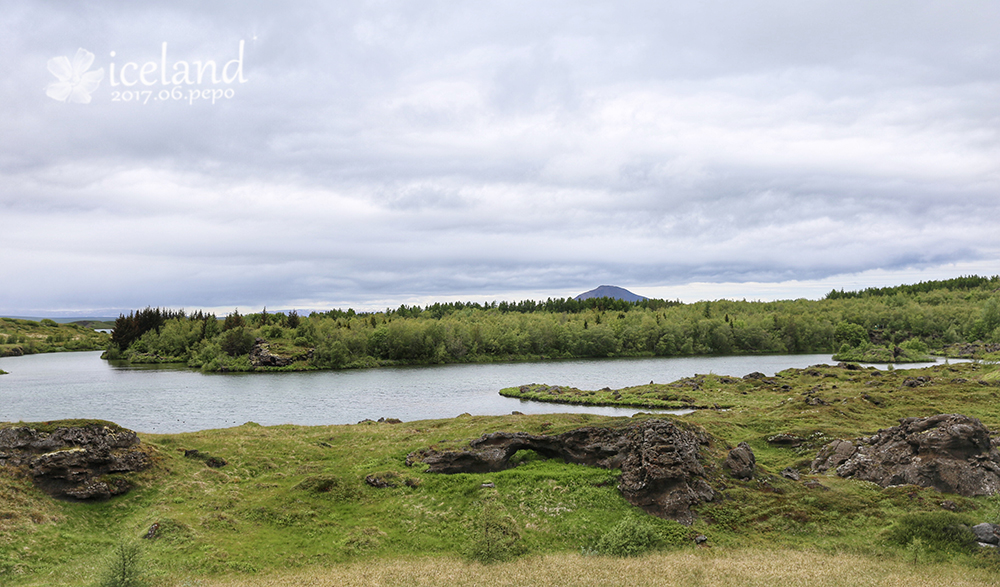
column 494, row 535
column 940, row 532
column 630, row 537
column 124, row 566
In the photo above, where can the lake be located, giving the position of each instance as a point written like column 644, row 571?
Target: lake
column 170, row 399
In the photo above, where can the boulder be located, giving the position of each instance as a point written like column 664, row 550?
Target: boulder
column 75, row 462
column 949, row 452
column 790, row 473
column 789, row 440
column 740, row 463
column 378, row 482
column 833, row 455
column 987, row 533
column 661, row 472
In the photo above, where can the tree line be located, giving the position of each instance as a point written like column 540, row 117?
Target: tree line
column 965, row 283
column 909, row 318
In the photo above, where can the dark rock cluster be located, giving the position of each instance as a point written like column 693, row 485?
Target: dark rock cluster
column 75, row 462
column 661, row 471
column 261, row 356
column 949, row 452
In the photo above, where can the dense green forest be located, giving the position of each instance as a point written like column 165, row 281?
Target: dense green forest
column 25, row 337
column 889, row 323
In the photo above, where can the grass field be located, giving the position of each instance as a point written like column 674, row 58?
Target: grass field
column 703, row 568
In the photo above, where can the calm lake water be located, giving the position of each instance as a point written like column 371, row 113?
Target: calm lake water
column 172, row 399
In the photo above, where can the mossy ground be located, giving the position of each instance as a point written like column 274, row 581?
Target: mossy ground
column 292, row 507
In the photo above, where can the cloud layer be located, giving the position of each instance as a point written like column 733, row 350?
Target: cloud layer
column 391, row 151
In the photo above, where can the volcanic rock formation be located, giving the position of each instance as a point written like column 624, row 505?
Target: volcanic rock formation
column 661, row 472
column 949, row 452
column 77, row 462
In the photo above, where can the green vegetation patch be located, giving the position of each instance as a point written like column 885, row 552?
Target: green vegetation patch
column 940, row 534
column 25, row 337
column 910, row 351
column 697, row 393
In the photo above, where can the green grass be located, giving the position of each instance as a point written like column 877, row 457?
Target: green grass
column 292, row 504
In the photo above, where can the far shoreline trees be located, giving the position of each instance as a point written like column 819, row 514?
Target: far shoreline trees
column 895, row 324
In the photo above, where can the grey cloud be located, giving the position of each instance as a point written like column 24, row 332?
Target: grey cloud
column 397, row 150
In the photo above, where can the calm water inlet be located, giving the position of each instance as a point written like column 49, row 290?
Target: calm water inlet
column 174, row 399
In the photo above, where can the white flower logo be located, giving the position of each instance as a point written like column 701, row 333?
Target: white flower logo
column 75, row 82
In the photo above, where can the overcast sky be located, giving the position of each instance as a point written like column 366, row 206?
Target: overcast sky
column 368, row 154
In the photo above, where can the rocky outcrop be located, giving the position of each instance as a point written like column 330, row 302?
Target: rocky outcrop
column 740, row 462
column 261, row 356
column 949, row 452
column 661, row 472
column 76, row 462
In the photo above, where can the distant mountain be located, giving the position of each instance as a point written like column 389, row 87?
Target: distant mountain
column 610, row 291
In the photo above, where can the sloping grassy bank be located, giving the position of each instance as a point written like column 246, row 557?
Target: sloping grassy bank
column 291, row 506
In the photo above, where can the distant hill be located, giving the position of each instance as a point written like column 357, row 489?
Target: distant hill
column 611, row 291
column 82, row 320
